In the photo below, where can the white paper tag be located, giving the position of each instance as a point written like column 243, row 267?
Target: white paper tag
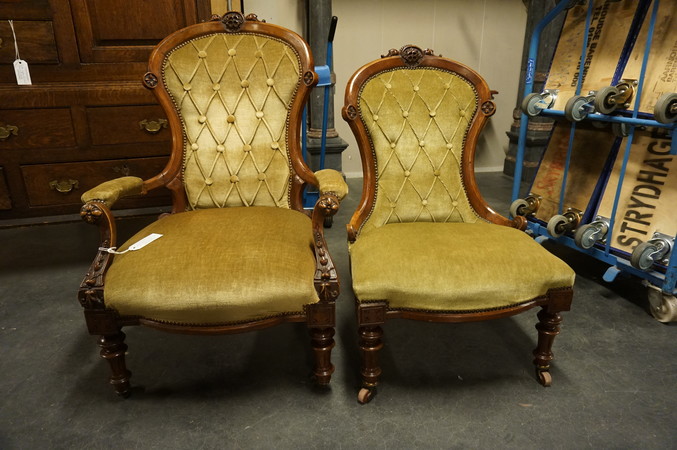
column 23, row 76
column 135, row 246
column 145, row 241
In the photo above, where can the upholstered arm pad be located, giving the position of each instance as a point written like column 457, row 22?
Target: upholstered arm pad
column 332, row 181
column 110, row 191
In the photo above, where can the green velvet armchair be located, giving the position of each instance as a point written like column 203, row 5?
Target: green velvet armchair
column 237, row 252
column 424, row 244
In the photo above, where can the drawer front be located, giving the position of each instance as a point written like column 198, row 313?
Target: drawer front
column 36, row 128
column 64, row 183
column 24, row 9
column 127, row 124
column 5, row 199
column 35, row 38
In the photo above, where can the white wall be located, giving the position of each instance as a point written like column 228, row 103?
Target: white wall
column 486, row 35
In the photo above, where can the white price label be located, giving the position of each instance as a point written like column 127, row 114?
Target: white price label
column 23, row 76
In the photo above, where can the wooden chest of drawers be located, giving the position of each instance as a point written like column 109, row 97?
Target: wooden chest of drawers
column 86, row 118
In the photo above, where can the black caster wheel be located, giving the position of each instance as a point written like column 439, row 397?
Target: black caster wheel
column 585, row 236
column 620, row 129
column 665, row 110
column 642, row 256
column 576, row 108
column 605, row 100
column 530, row 104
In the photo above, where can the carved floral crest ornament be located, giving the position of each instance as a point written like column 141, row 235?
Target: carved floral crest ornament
column 410, row 54
column 233, row 21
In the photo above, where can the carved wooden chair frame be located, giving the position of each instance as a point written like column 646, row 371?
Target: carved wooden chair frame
column 371, row 315
column 320, row 317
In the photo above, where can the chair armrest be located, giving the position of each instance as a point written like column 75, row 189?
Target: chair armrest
column 110, row 191
column 332, row 181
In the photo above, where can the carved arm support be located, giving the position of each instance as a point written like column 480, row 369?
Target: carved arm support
column 90, row 294
column 332, row 188
column 110, row 191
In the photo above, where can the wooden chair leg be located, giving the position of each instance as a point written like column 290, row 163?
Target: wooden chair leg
column 113, row 350
column 370, row 344
column 548, row 328
column 323, row 342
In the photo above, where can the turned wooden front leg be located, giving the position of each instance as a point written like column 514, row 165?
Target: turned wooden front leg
column 548, row 328
column 370, row 344
column 323, row 343
column 113, row 350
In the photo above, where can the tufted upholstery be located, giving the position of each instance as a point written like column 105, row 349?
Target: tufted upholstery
column 417, row 121
column 424, row 244
column 233, row 92
column 237, row 252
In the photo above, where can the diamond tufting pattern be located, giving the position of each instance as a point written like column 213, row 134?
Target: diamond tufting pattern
column 417, row 120
column 234, row 93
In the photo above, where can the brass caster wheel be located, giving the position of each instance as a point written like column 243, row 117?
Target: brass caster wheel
column 663, row 306
column 665, row 110
column 544, row 377
column 365, row 395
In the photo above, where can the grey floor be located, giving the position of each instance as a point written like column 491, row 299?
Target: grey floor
column 444, row 385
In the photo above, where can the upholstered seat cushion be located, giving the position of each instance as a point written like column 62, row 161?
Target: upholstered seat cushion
column 453, row 266
column 218, row 265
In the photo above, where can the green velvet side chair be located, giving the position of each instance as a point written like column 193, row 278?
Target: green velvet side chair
column 238, row 252
column 424, row 244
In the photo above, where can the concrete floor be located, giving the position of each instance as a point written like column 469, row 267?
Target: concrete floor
column 444, row 385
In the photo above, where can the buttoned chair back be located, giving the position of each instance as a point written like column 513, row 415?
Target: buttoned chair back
column 421, row 124
column 238, row 252
column 424, row 244
column 236, row 90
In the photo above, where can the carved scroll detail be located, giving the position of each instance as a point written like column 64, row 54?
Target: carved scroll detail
column 308, row 78
column 91, row 289
column 326, row 279
column 253, row 18
column 233, row 21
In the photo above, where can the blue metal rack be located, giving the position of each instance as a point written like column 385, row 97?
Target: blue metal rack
column 665, row 281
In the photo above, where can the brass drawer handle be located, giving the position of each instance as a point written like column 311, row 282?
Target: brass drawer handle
column 8, row 130
column 64, row 186
column 153, row 126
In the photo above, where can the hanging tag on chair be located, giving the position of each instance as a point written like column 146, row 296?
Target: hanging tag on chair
column 135, row 246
